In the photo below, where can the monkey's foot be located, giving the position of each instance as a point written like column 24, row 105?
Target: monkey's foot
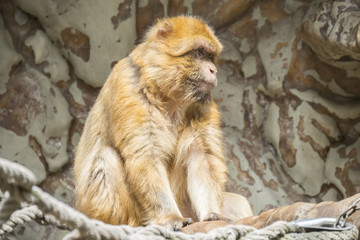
column 214, row 217
column 174, row 222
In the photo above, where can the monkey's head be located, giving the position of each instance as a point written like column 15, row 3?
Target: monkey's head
column 179, row 58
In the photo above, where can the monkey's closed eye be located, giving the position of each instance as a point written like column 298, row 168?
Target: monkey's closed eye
column 201, row 53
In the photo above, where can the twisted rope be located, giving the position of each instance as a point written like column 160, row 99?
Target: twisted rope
column 16, row 174
column 20, row 217
column 7, row 206
column 19, row 182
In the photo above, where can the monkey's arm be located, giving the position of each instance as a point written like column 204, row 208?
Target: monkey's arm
column 200, row 148
column 148, row 179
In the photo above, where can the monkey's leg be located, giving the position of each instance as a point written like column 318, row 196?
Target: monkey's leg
column 102, row 192
column 235, row 207
column 206, row 195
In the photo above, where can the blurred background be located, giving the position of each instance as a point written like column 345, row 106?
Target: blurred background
column 288, row 90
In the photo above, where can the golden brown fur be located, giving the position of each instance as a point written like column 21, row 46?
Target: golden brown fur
column 152, row 144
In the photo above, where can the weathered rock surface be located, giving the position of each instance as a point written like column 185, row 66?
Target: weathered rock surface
column 289, row 90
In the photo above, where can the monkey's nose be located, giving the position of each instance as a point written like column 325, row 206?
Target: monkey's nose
column 213, row 69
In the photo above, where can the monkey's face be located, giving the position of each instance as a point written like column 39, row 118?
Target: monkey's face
column 179, row 58
column 200, row 78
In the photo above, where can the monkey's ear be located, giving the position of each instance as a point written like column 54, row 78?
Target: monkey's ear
column 164, row 30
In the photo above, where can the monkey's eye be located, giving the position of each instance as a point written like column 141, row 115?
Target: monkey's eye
column 200, row 53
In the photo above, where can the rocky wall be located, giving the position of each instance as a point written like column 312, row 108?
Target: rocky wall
column 288, row 90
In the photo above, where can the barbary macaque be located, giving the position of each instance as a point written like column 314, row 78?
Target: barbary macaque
column 151, row 150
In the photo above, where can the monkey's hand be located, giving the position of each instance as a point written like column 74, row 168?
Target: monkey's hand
column 173, row 222
column 214, row 217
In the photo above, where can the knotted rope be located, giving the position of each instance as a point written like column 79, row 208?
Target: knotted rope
column 28, row 202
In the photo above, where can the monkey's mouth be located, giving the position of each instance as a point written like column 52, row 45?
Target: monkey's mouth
column 206, row 86
column 200, row 89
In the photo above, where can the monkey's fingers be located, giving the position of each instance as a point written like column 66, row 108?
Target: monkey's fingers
column 211, row 217
column 214, row 217
column 178, row 224
column 173, row 222
column 187, row 221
